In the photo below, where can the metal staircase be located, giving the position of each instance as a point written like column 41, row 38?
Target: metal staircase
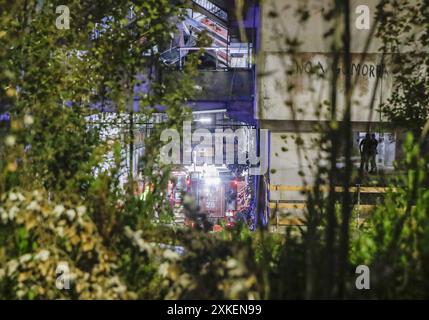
column 219, row 42
column 211, row 10
column 173, row 55
column 221, row 52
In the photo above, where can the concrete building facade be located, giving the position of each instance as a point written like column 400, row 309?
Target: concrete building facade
column 294, row 88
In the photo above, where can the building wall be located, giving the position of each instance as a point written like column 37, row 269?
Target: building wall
column 310, row 33
column 303, row 79
column 287, row 167
column 298, row 87
column 294, row 89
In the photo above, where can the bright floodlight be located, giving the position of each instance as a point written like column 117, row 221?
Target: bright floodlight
column 204, row 120
column 212, row 180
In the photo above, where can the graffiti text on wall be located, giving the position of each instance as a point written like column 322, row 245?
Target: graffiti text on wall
column 369, row 70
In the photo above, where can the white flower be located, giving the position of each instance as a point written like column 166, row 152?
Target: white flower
column 20, row 196
column 71, row 214
column 12, row 265
column 33, row 206
column 3, row 214
column 60, row 231
column 171, row 255
column 80, row 221
column 163, row 269
column 12, row 212
column 25, row 258
column 42, row 255
column 120, row 289
column 116, row 284
column 37, row 195
column 10, row 140
column 81, row 210
column 13, row 196
column 28, row 120
column 58, row 210
column 231, row 263
column 20, row 293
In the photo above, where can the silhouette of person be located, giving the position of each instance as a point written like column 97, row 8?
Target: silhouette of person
column 365, row 150
column 373, row 153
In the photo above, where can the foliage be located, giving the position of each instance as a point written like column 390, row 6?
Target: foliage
column 404, row 34
column 396, row 245
column 61, row 204
column 37, row 236
column 52, row 82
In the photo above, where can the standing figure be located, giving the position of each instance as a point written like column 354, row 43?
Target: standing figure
column 365, row 151
column 373, row 153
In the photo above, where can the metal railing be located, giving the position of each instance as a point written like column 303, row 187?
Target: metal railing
column 295, row 221
column 213, row 9
column 219, row 54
